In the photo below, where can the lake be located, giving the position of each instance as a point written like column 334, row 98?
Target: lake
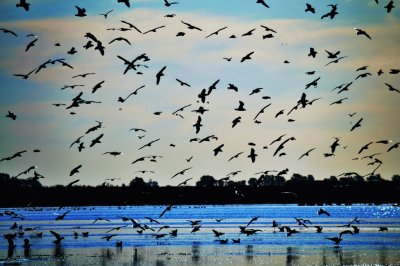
column 149, row 242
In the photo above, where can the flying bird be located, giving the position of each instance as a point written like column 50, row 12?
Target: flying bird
column 262, row 2
column 218, row 149
column 154, row 29
column 31, row 44
column 309, row 8
column 8, row 31
column 81, row 12
column 307, row 153
column 362, row 32
column 126, row 2
column 165, row 210
column 97, row 86
column 96, row 140
column 11, row 115
column 106, row 14
column 216, row 32
column 191, row 27
column 75, row 170
column 252, row 155
column 358, row 124
column 198, row 124
column 160, row 74
column 246, row 57
column 149, row 144
column 23, row 4
column 181, row 172
column 389, row 6
column 120, row 39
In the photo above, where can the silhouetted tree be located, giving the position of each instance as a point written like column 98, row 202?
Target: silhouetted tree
column 396, row 179
column 152, row 183
column 138, row 183
column 252, row 182
column 206, row 181
column 375, row 178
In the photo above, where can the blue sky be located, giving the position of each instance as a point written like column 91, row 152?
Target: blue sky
column 198, row 61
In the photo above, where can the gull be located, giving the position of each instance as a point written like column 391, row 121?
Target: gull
column 191, row 27
column 100, row 219
column 96, row 140
column 362, row 68
column 131, row 26
column 154, row 30
column 165, row 210
column 160, row 74
column 200, row 110
column 218, row 149
column 26, row 171
column 116, row 228
column 394, row 146
column 391, row 88
column 261, row 111
column 72, row 86
column 336, row 240
column 108, row 237
column 370, row 156
column 313, row 83
column 262, row 2
column 336, row 60
column 241, row 107
column 149, row 144
column 362, row 32
column 31, row 44
column 394, row 71
column 312, row 52
column 339, row 101
column 322, row 211
column 18, row 154
column 216, row 32
column 217, row 233
column 11, row 115
column 232, row 87
column 58, row 237
column 126, row 2
column 137, row 129
column 198, row 124
column 119, row 39
column 236, row 121
column 365, row 147
column 81, row 12
column 252, row 155
column 389, row 6
column 281, row 112
column 358, row 124
column 250, row 32
column 106, row 14
column 94, row 128
column 182, row 83
column 332, row 13
column 121, row 100
column 83, row 75
column 24, row 76
column 181, row 172
column 75, row 170
column 332, row 55
column 227, row 58
column 62, row 216
column 8, row 31
column 184, row 182
column 72, row 51
column 307, row 153
column 114, row 153
column 166, row 3
column 309, row 8
column 256, row 90
column 235, row 156
column 23, row 4
column 97, row 86
column 363, row 75
column 71, row 183
column 283, row 172
column 246, row 57
column 382, row 228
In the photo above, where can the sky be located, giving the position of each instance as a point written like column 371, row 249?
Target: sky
column 198, row 61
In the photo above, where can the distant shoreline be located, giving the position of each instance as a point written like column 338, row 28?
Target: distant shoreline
column 315, row 193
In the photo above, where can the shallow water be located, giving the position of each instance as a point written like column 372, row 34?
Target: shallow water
column 267, row 246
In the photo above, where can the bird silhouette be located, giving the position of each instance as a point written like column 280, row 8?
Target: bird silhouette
column 338, row 101
column 22, row 3
column 313, row 83
column 335, row 240
column 394, row 146
column 358, row 124
column 322, row 211
column 236, row 121
column 75, row 170
column 165, row 210
column 240, row 107
column 246, row 57
column 96, row 140
column 8, row 31
column 18, row 154
column 97, row 86
column 154, row 29
column 218, row 149
column 120, row 39
column 389, row 6
column 181, row 172
column 252, row 155
column 307, row 153
column 31, row 44
column 216, row 32
column 160, row 74
column 149, row 144
column 11, row 115
column 58, row 237
column 332, row 13
column 262, row 2
column 106, row 14
column 362, row 32
column 312, row 52
column 81, row 12
column 309, row 8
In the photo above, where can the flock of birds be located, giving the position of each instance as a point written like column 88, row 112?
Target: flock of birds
column 138, row 65
column 158, row 229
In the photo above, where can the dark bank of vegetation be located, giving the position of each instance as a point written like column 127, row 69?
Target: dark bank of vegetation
column 207, row 190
